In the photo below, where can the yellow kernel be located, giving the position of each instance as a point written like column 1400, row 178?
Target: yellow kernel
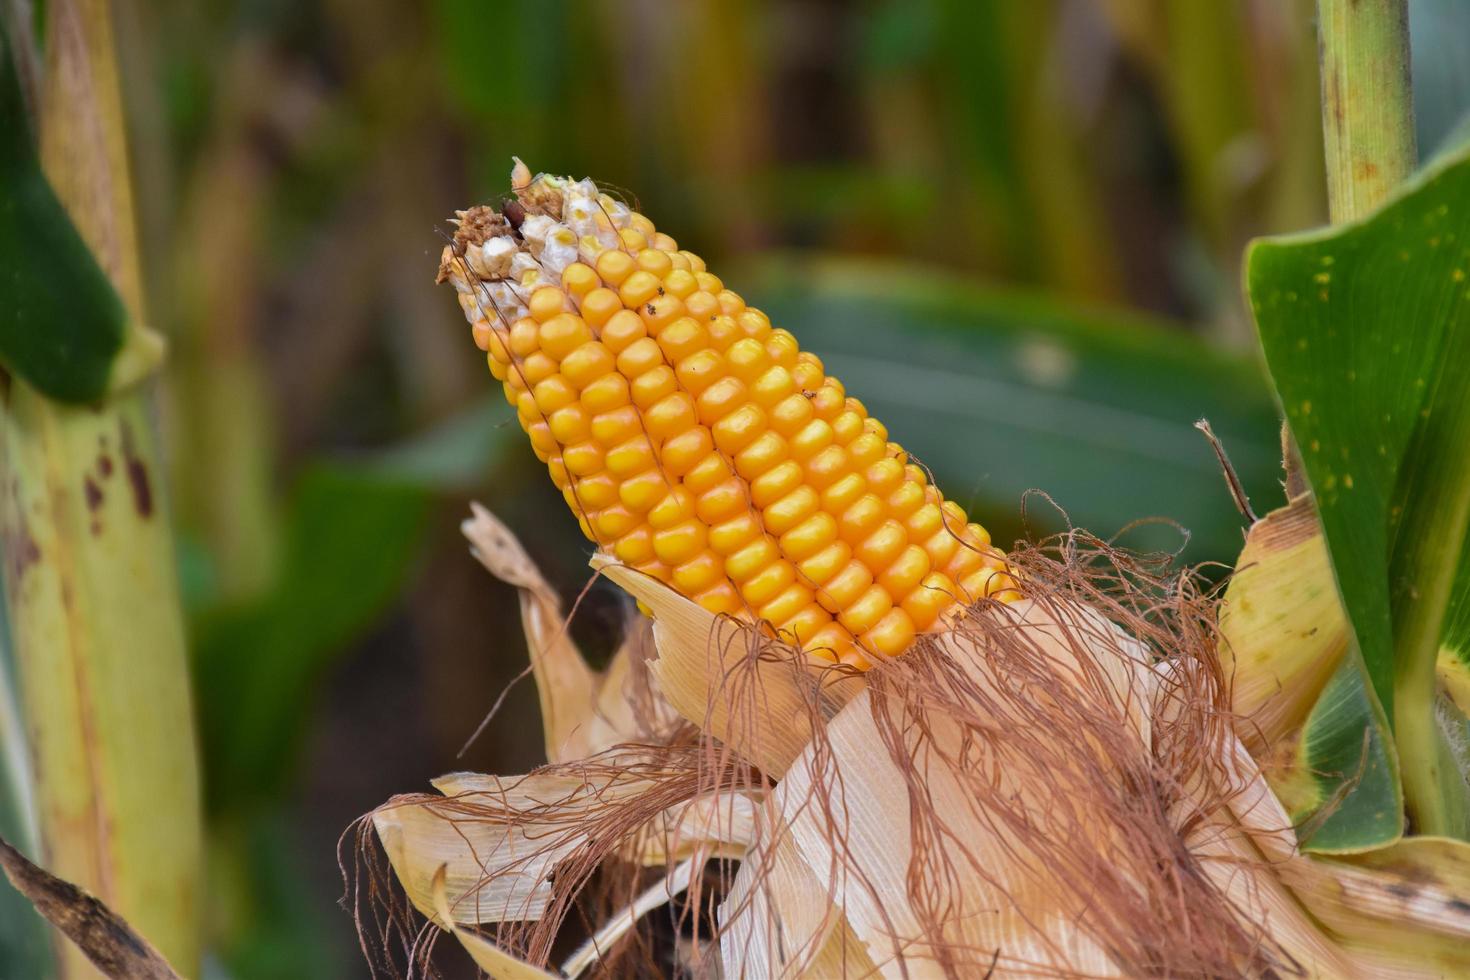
column 891, row 635
column 546, row 303
column 623, row 329
column 881, row 548
column 682, row 452
column 663, row 242
column 498, row 369
column 653, row 386
column 708, row 473
column 524, row 337
column 811, row 439
column 639, row 356
column 907, row 501
column 653, row 261
column 864, row 612
column 847, row 427
column 721, row 398
column 791, row 510
column 829, row 401
column 614, row 266
column 905, row 572
column 606, row 394
column 680, row 264
column 708, row 281
column 641, row 492
column 721, row 598
column 829, row 643
column 730, row 302
column 587, row 363
column 562, row 334
column 809, row 537
column 640, row 224
column 883, row 476
column 699, row 370
column 670, row 416
column 598, row 306
column 570, row 424
column 769, row 582
column 638, row 288
column 583, row 459
column 738, row 429
column 660, row 311
column 616, row 426
column 820, row 568
column 683, row 337
column 751, row 559
column 827, row 467
column 722, row 332
column 941, row 546
column 748, row 359
column 536, row 368
column 676, row 506
column 579, row 279
column 680, row 543
column 597, row 491
column 721, row 502
column 783, row 609
column 924, row 522
column 776, row 483
column 481, row 332
column 702, row 572
column 635, row 547
column 633, row 240
column 844, row 588
column 728, row 537
column 807, row 376
column 562, row 478
column 878, row 429
column 791, row 414
column 613, row 522
column 766, row 451
column 628, row 458
column 934, row 594
column 757, row 326
column 862, row 519
column 553, row 393
column 773, row 386
column 701, row 305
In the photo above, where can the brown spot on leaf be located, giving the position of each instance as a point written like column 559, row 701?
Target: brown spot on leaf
column 137, row 474
column 92, row 492
column 104, row 465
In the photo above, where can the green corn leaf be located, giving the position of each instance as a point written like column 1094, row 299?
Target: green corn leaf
column 61, row 323
column 1366, row 330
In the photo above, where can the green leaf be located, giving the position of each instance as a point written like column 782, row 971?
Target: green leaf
column 351, row 535
column 1366, row 330
column 61, row 322
column 999, row 392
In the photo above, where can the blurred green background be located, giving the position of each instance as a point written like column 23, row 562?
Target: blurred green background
column 1013, row 228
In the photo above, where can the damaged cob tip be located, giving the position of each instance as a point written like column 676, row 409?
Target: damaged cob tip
column 697, row 443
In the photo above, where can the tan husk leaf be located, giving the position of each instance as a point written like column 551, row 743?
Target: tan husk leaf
column 1051, row 788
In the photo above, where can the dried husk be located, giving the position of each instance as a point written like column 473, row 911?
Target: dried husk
column 1050, row 788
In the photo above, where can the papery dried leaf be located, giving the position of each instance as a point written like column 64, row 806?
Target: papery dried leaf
column 489, row 957
column 757, row 696
column 621, row 922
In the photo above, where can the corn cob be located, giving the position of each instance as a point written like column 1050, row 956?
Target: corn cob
column 697, row 443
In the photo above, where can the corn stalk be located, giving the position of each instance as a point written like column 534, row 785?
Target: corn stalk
column 89, row 575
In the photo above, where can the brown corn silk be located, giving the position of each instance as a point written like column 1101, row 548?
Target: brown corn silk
column 697, row 443
column 1050, row 787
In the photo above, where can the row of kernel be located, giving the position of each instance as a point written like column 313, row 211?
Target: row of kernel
column 677, row 355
